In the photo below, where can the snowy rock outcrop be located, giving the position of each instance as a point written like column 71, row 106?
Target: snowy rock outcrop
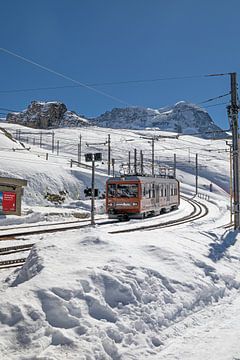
column 45, row 115
column 183, row 117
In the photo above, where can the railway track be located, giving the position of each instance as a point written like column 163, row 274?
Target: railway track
column 199, row 210
column 6, row 264
column 11, row 234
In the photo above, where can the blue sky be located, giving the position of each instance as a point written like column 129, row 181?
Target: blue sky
column 104, row 41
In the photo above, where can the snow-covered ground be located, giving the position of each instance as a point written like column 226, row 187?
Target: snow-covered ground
column 87, row 294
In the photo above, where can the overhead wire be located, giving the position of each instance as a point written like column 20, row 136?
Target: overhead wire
column 64, row 76
column 169, row 78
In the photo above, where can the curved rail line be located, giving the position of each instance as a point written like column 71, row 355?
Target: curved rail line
column 199, row 210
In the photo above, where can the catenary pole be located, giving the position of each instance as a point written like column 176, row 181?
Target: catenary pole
column 196, row 174
column 80, row 148
column 141, row 162
column 109, row 154
column 53, row 141
column 233, row 117
column 129, row 162
column 93, row 192
column 152, row 156
column 135, row 161
column 174, row 165
column 40, row 139
column 113, row 167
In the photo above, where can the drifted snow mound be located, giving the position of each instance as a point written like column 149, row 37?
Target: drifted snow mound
column 183, row 117
column 86, row 297
column 32, row 267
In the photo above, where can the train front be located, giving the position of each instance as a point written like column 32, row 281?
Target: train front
column 123, row 198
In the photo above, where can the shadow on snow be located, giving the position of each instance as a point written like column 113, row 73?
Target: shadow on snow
column 218, row 249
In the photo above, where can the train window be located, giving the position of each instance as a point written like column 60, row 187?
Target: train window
column 146, row 191
column 112, row 190
column 153, row 190
column 161, row 191
column 123, row 190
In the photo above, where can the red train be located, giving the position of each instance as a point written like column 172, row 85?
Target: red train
column 134, row 196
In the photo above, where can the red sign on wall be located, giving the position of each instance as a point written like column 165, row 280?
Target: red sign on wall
column 7, row 201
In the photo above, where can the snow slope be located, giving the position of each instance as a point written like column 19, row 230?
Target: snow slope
column 88, row 294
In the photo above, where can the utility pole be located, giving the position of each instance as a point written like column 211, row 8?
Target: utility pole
column 80, row 149
column 141, row 162
column 113, row 167
column 58, row 147
column 129, row 162
column 228, row 143
column 233, row 117
column 231, row 187
column 135, row 161
column 152, row 156
column 196, row 174
column 40, row 140
column 93, row 192
column 174, row 165
column 53, row 141
column 109, row 154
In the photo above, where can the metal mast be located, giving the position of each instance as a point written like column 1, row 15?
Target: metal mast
column 233, row 117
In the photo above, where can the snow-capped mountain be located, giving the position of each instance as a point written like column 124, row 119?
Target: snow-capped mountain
column 45, row 115
column 183, row 117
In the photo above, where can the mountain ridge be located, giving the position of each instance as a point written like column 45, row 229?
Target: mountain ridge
column 183, row 117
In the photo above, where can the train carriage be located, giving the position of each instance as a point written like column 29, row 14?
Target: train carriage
column 135, row 196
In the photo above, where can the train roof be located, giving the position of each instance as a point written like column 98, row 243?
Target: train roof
column 142, row 178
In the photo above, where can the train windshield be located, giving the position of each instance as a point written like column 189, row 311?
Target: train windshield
column 123, row 190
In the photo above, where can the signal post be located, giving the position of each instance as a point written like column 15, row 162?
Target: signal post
column 93, row 157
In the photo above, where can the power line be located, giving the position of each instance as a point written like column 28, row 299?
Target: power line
column 214, row 98
column 219, row 104
column 104, row 83
column 63, row 76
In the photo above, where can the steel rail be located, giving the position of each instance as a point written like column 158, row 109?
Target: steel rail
column 14, row 249
column 199, row 210
column 44, row 225
column 62, row 227
column 10, row 263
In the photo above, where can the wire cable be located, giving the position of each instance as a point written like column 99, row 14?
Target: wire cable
column 104, row 83
column 64, row 76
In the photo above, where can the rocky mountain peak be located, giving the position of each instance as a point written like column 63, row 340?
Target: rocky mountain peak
column 46, row 115
column 183, row 117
